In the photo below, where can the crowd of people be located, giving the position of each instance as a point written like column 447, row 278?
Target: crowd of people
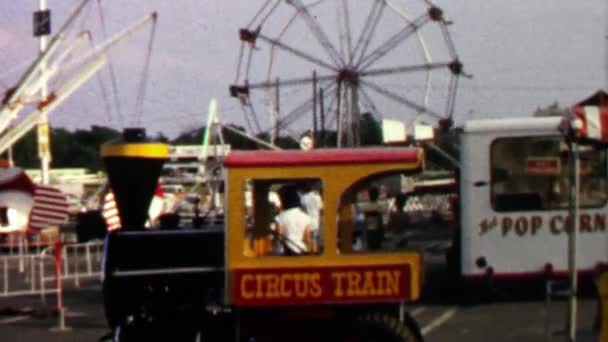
column 381, row 222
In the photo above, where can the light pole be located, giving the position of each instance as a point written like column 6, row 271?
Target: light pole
column 573, row 238
column 42, row 28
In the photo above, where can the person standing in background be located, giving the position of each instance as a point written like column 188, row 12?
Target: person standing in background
column 313, row 205
column 374, row 212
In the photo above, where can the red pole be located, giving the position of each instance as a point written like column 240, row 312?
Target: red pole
column 60, row 309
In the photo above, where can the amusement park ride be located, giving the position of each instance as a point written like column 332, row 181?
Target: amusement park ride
column 244, row 280
column 56, row 63
column 321, row 65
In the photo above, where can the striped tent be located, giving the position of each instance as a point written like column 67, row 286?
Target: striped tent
column 588, row 120
column 110, row 211
column 111, row 214
column 29, row 205
column 50, row 208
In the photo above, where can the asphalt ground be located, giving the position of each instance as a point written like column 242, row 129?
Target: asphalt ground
column 507, row 312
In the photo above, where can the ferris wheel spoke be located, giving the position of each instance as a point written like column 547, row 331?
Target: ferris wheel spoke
column 393, row 42
column 252, row 118
column 316, row 30
column 400, row 99
column 261, row 11
column 405, row 69
column 297, row 52
column 369, row 29
column 346, row 41
column 448, row 41
column 288, row 119
column 367, row 100
column 330, row 107
column 248, row 124
column 290, row 82
column 239, row 64
column 451, row 103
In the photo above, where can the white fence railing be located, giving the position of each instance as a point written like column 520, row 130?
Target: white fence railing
column 16, row 282
column 35, row 272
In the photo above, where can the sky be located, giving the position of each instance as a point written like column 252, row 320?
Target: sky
column 522, row 54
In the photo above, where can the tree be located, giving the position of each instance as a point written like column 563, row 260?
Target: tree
column 190, row 137
column 68, row 149
column 237, row 141
column 25, row 152
column 552, row 110
column 370, row 130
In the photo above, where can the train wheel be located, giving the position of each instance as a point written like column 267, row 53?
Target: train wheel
column 128, row 333
column 379, row 328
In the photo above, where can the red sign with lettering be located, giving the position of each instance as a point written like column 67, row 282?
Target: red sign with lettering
column 544, row 166
column 319, row 285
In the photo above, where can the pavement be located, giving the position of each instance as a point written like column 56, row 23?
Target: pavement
column 508, row 313
column 31, row 319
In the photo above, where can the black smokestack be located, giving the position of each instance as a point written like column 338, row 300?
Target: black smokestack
column 133, row 164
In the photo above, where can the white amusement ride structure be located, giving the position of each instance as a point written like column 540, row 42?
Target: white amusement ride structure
column 24, row 205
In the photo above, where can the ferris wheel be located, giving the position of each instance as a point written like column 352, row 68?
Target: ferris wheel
column 311, row 66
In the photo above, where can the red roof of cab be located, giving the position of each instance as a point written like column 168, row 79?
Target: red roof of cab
column 321, row 157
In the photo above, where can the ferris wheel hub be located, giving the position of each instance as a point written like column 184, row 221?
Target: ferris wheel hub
column 347, row 75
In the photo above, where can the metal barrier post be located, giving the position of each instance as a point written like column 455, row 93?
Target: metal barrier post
column 32, row 273
column 60, row 308
column 21, row 251
column 66, row 268
column 5, row 276
column 76, row 268
column 87, row 247
column 42, row 281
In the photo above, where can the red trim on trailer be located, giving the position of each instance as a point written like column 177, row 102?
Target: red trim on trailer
column 322, row 157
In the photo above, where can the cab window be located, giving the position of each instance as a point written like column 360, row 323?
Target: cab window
column 283, row 217
column 534, row 173
column 373, row 216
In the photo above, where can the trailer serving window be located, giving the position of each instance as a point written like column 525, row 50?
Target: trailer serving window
column 533, row 173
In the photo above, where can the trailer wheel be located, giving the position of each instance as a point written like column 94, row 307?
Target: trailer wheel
column 376, row 327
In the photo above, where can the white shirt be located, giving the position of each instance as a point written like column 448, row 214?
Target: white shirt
column 313, row 204
column 294, row 222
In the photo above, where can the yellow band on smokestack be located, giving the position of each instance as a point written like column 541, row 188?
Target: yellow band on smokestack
column 137, row 150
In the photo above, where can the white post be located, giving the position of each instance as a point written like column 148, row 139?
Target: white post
column 572, row 240
column 44, row 151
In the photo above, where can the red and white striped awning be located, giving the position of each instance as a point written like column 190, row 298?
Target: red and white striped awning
column 50, row 208
column 591, row 123
column 110, row 211
column 588, row 120
column 111, row 214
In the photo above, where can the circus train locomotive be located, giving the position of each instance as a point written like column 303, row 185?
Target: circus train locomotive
column 238, row 281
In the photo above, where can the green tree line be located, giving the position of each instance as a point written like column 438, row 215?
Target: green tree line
column 80, row 148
